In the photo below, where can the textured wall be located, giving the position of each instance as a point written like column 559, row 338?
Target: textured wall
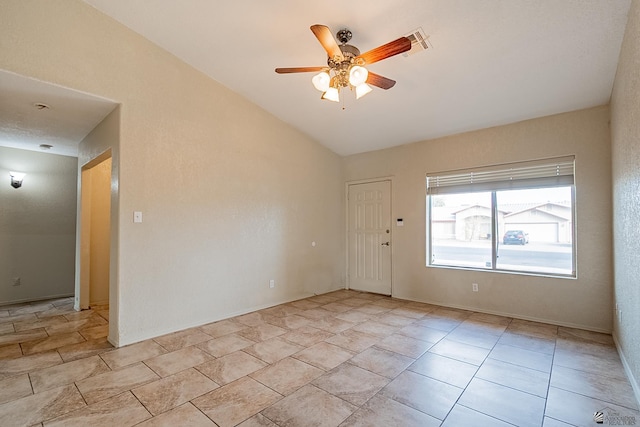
column 583, row 302
column 231, row 196
column 625, row 142
column 37, row 225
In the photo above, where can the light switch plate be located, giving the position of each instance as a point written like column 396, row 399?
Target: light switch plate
column 137, row 216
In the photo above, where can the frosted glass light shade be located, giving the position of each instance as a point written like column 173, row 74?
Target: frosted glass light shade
column 358, row 75
column 362, row 90
column 331, row 94
column 321, row 81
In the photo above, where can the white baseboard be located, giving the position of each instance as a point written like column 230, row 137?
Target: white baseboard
column 627, row 369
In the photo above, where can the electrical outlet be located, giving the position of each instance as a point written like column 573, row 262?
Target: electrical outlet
column 474, row 287
column 16, row 281
column 272, row 283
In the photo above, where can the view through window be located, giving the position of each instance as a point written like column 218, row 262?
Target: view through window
column 532, row 219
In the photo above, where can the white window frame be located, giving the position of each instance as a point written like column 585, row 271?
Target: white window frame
column 555, row 172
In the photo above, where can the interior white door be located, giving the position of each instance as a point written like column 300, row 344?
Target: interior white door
column 369, row 237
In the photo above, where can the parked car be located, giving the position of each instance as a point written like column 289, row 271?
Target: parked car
column 515, row 237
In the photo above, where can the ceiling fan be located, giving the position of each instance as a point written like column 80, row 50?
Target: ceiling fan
column 346, row 65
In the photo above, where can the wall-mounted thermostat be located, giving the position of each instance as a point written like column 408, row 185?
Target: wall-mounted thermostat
column 399, row 222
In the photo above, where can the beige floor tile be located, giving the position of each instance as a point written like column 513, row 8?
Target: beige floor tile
column 375, row 329
column 170, row 392
column 51, row 343
column 122, row 410
column 477, row 326
column 84, row 349
column 324, row 355
column 10, row 351
column 336, row 307
column 578, row 410
column 133, row 353
column 39, row 407
column 306, row 336
column 460, row 351
column 176, row 361
column 451, row 313
column 550, row 422
column 415, row 313
column 394, row 319
column 11, row 367
column 30, row 308
column 262, row 332
column 404, row 345
column 388, row 303
column 518, row 377
column 356, row 315
column 522, row 357
column 273, row 349
column 490, row 318
column 75, row 315
column 67, row 373
column 36, row 323
column 184, row 415
column 19, row 318
column 287, row 375
column 352, row 340
column 14, row 388
column 463, row 416
column 282, row 311
column 380, row 411
column 288, row 322
column 236, row 402
column 76, row 325
column 251, row 319
column 258, row 420
column 222, row 327
column 541, row 345
column 231, row 367
column 598, row 386
column 533, row 329
column 444, row 369
column 579, row 334
column 182, row 339
column 369, row 310
column 504, row 403
column 95, row 332
column 316, row 313
column 477, row 339
column 303, row 305
column 351, row 383
column 332, row 324
column 109, row 384
column 225, row 344
column 435, row 321
column 361, row 300
column 425, row 394
column 309, row 406
column 423, row 333
column 323, row 299
column 23, row 337
column 382, row 362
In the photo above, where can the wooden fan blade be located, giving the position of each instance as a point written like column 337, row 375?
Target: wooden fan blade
column 380, row 81
column 385, row 51
column 299, row 70
column 324, row 36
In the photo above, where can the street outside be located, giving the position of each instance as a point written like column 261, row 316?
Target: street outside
column 553, row 258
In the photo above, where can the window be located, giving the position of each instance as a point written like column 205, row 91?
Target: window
column 516, row 217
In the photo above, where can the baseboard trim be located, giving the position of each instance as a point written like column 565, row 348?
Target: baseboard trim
column 514, row 315
column 627, row 369
column 44, row 298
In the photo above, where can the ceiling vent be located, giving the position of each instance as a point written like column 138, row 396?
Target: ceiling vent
column 419, row 42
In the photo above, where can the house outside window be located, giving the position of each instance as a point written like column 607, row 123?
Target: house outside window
column 513, row 218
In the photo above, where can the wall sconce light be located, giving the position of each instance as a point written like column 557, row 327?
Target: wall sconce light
column 16, row 179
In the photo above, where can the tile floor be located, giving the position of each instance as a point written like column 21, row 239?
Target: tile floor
column 340, row 359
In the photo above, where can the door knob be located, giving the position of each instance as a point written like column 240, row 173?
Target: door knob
column 385, row 244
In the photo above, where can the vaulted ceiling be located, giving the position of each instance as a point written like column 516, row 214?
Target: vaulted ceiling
column 489, row 62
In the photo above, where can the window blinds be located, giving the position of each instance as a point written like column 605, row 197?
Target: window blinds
column 512, row 176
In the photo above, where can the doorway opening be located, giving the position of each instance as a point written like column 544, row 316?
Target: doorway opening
column 95, row 232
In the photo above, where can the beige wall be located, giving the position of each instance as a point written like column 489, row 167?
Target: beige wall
column 100, row 232
column 231, row 196
column 584, row 302
column 625, row 141
column 37, row 225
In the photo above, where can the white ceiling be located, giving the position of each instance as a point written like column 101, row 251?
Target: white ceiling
column 492, row 62
column 71, row 116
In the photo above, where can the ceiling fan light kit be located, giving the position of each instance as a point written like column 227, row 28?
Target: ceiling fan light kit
column 346, row 66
